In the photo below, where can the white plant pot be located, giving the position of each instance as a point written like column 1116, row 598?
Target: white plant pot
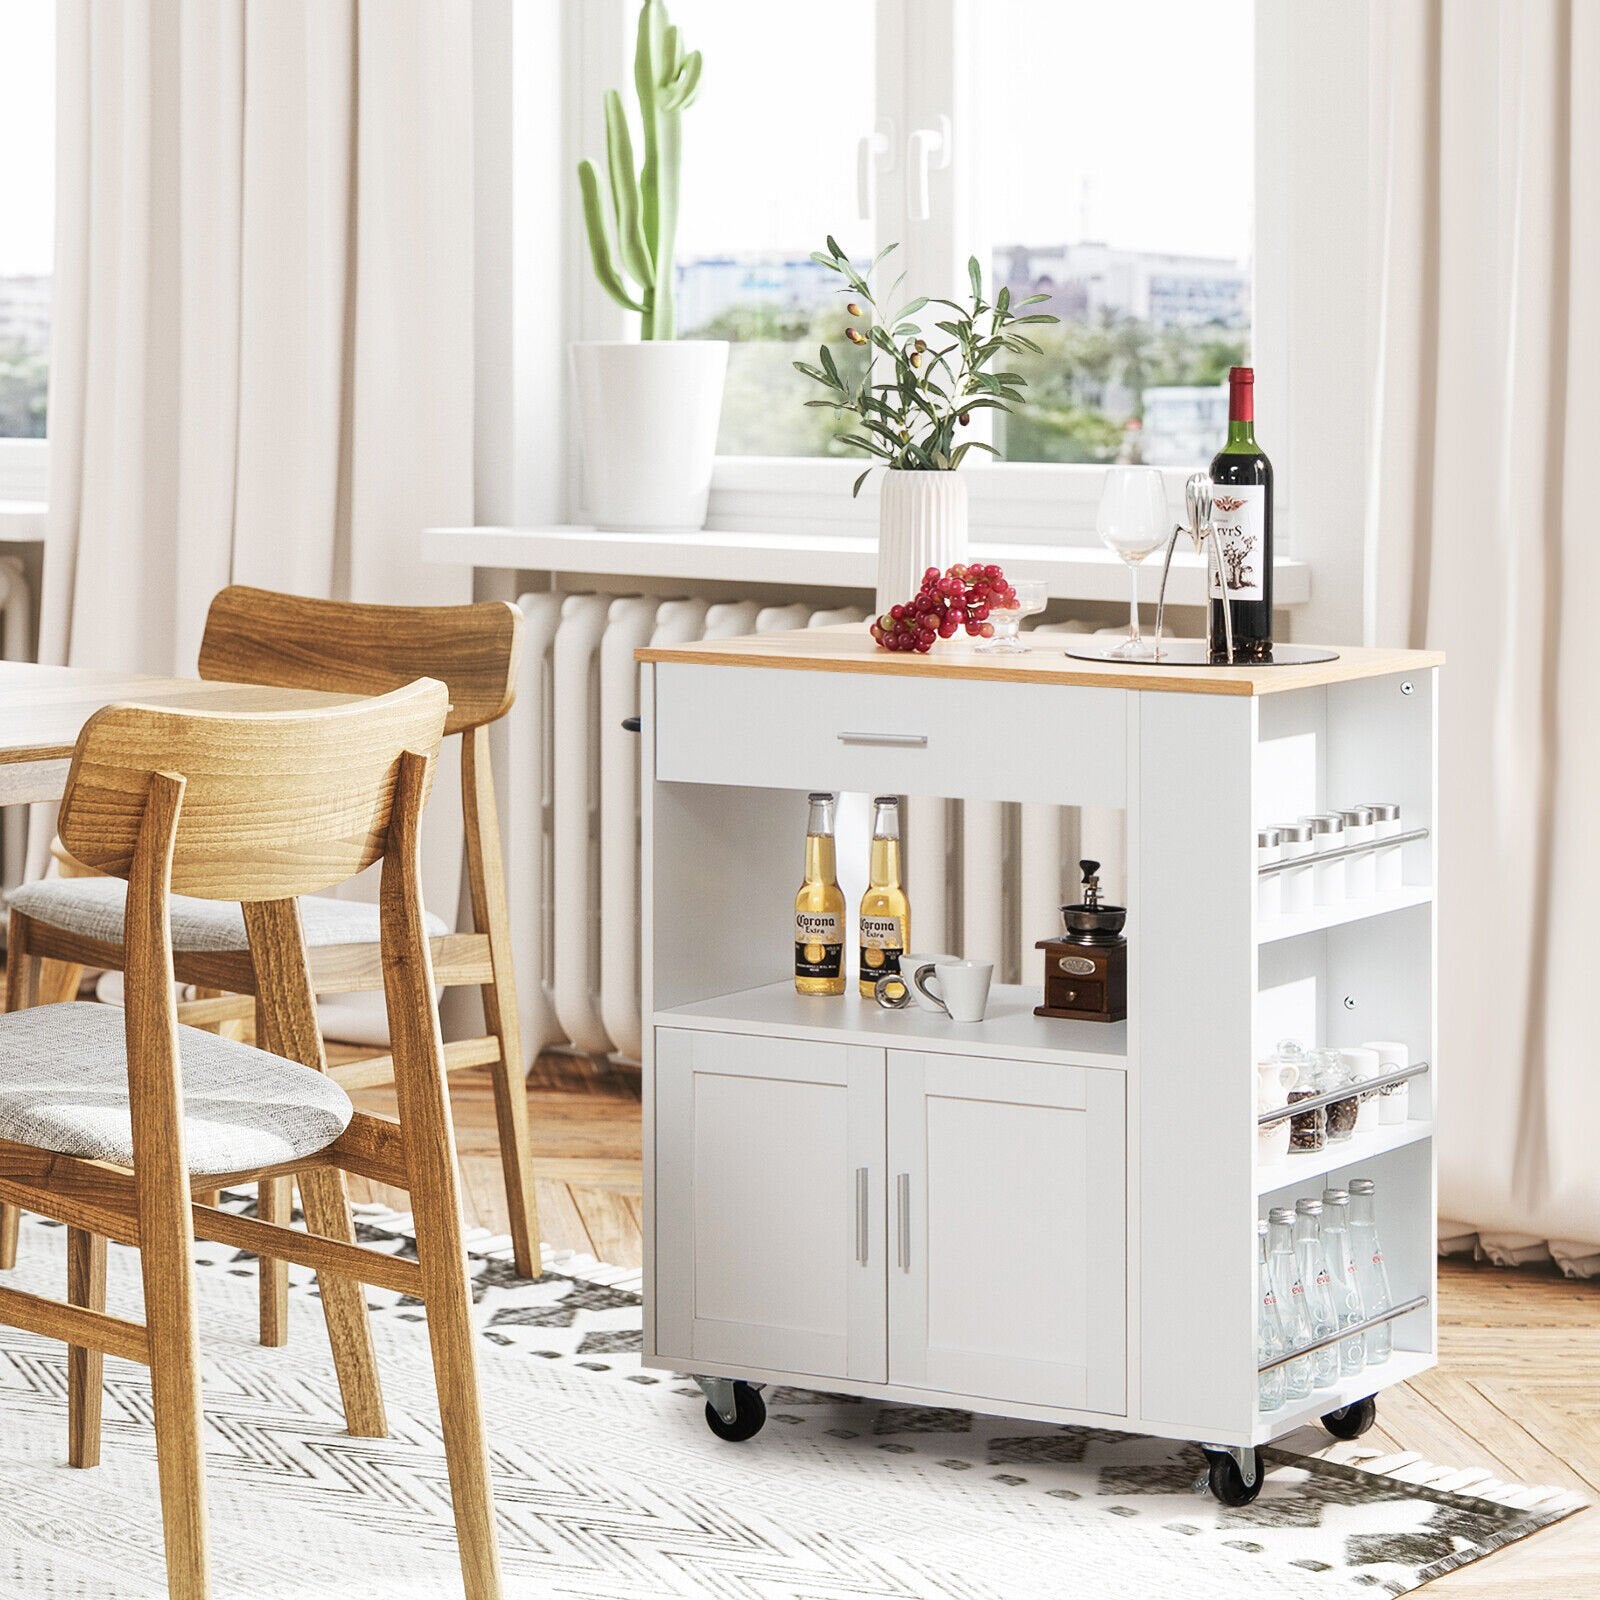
column 649, row 412
column 922, row 523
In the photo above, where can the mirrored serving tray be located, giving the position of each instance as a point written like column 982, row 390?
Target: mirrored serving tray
column 1193, row 653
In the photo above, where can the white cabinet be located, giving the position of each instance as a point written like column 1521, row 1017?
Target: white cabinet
column 970, row 1242
column 1008, row 1230
column 770, row 1203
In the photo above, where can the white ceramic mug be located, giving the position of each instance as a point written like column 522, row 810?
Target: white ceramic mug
column 895, row 990
column 963, row 987
column 1274, row 1080
column 1394, row 1102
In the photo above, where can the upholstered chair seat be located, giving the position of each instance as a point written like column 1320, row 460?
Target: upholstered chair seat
column 93, row 908
column 64, row 1087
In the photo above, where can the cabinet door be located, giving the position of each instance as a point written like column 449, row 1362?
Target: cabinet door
column 1007, row 1276
column 770, row 1228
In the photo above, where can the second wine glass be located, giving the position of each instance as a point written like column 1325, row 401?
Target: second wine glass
column 1133, row 520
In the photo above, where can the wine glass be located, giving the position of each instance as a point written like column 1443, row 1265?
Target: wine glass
column 1133, row 520
column 1032, row 596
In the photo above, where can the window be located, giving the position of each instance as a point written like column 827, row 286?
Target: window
column 27, row 135
column 1125, row 193
column 770, row 162
column 1104, row 155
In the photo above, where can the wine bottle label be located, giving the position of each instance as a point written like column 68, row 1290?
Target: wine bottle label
column 883, row 942
column 1238, row 512
column 818, row 944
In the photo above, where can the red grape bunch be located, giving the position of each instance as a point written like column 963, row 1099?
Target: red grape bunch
column 947, row 602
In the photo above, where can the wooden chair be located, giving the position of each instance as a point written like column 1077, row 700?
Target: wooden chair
column 111, row 1121
column 287, row 641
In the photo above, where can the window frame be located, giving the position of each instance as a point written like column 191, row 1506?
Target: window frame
column 921, row 45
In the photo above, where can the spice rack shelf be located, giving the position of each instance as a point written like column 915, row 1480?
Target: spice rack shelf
column 1017, row 1217
column 1294, row 925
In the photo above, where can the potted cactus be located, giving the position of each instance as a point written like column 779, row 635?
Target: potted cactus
column 649, row 408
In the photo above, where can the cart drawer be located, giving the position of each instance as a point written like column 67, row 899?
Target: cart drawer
column 860, row 733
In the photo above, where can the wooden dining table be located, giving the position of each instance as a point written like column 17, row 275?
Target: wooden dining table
column 42, row 710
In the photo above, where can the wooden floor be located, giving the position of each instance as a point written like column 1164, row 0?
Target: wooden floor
column 1517, row 1389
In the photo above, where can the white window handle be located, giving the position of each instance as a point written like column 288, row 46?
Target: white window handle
column 871, row 149
column 927, row 150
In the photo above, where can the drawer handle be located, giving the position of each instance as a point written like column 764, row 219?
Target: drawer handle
column 917, row 741
column 861, row 1215
column 903, row 1207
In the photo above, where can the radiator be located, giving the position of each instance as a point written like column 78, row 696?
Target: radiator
column 983, row 878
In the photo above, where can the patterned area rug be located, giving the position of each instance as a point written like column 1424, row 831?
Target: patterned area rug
column 610, row 1485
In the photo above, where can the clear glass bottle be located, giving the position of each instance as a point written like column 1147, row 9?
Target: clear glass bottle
column 1270, row 1340
column 1317, row 1282
column 1291, row 1298
column 885, row 911
column 1371, row 1272
column 819, row 908
column 1342, row 1269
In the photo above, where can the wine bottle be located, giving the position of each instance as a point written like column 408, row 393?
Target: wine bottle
column 1241, row 505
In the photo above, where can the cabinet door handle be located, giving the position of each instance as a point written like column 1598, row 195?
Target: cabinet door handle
column 861, row 1215
column 916, row 741
column 902, row 1187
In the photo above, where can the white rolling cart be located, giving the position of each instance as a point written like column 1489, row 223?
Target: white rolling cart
column 1028, row 1217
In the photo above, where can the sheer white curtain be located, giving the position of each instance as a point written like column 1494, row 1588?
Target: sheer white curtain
column 263, row 367
column 1481, row 541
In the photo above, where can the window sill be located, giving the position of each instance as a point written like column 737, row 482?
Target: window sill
column 22, row 521
column 812, row 561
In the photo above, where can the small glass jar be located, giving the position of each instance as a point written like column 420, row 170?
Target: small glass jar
column 1361, row 1065
column 1328, row 1073
column 1386, row 861
column 1327, row 834
column 1269, row 891
column 1295, row 843
column 1360, row 871
column 1309, row 1129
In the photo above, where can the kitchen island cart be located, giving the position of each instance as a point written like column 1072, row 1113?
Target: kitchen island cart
column 1027, row 1216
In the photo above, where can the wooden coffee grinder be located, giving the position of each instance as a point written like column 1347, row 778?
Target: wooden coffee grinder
column 1086, row 973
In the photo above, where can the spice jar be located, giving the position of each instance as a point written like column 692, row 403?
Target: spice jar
column 1269, row 891
column 1386, row 861
column 1307, row 1130
column 1327, row 835
column 1360, row 871
column 1361, row 1065
column 1294, row 883
column 1327, row 1071
column 1394, row 1099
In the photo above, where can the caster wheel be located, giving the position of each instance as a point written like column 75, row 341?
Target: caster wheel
column 1227, row 1482
column 1353, row 1420
column 750, row 1418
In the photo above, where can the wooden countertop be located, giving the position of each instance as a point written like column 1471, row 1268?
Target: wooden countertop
column 849, row 648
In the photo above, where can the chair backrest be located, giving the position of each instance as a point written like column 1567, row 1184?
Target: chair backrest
column 275, row 804
column 292, row 642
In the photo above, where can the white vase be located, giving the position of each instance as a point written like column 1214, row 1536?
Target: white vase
column 922, row 523
column 649, row 412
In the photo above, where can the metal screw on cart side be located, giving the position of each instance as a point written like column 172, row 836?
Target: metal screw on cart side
column 1349, row 1002
column 1405, row 688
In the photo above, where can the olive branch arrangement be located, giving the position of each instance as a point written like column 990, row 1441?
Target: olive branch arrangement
column 909, row 421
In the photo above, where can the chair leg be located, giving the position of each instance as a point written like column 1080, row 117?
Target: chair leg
column 86, row 1286
column 441, row 1255
column 58, row 981
column 22, row 991
column 491, row 917
column 176, row 1401
column 274, row 1203
column 344, row 1304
